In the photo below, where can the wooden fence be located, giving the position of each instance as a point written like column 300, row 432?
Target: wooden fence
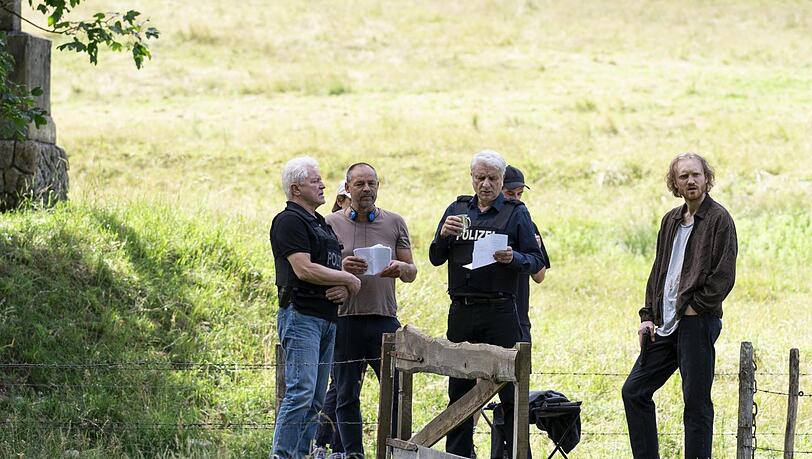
column 408, row 351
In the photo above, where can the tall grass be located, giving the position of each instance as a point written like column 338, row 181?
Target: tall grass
column 93, row 285
column 175, row 179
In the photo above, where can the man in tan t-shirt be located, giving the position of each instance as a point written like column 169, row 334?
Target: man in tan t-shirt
column 366, row 316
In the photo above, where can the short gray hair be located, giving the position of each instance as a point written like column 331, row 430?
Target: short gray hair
column 489, row 158
column 295, row 171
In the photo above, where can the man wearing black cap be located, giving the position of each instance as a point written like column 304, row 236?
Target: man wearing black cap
column 483, row 308
column 513, row 188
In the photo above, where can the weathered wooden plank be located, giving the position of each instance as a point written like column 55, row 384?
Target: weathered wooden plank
column 405, row 406
column 792, row 404
column 521, row 412
column 385, row 402
column 744, row 434
column 402, row 444
column 459, row 360
column 421, row 452
column 456, row 413
column 280, row 376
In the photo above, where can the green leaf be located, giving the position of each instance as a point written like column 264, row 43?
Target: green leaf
column 131, row 15
column 40, row 120
column 36, row 92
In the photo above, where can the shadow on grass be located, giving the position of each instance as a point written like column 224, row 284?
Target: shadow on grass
column 99, row 310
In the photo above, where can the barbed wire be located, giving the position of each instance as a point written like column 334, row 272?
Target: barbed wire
column 754, row 425
column 780, row 374
column 56, row 385
column 575, row 373
column 618, row 434
column 773, row 450
column 169, row 366
column 236, row 367
column 119, row 425
column 799, row 394
column 101, row 423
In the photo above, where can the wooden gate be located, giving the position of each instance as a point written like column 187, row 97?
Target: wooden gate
column 409, row 351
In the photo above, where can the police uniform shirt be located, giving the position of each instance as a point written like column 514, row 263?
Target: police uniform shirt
column 523, row 288
column 294, row 230
column 527, row 256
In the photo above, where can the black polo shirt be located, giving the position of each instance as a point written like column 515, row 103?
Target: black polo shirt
column 294, row 230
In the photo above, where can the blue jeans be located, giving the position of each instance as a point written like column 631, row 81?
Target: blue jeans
column 327, row 433
column 308, row 344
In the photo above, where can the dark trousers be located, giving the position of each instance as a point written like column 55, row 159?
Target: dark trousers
column 328, row 429
column 691, row 349
column 357, row 338
column 524, row 333
column 488, row 324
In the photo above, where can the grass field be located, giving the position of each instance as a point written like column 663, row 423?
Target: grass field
column 162, row 254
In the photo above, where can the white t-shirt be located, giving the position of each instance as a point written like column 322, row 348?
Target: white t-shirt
column 670, row 321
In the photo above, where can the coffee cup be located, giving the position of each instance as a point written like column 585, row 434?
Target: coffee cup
column 466, row 221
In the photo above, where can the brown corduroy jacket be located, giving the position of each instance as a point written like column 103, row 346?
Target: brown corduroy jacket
column 709, row 267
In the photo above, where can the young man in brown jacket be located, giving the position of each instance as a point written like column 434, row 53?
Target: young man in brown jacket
column 693, row 272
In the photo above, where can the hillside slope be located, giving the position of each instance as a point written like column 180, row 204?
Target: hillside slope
column 122, row 317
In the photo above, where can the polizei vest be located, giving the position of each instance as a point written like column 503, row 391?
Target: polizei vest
column 325, row 251
column 493, row 280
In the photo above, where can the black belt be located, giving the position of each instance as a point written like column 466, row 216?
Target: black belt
column 468, row 300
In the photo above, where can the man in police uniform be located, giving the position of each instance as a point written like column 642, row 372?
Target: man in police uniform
column 307, row 259
column 483, row 306
column 513, row 188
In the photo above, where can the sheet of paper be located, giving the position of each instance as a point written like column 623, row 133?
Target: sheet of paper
column 377, row 257
column 485, row 248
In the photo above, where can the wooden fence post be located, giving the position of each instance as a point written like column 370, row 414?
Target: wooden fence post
column 385, row 402
column 744, row 434
column 521, row 407
column 405, row 406
column 280, row 376
column 792, row 404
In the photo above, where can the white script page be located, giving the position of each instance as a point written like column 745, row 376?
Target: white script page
column 485, row 248
column 377, row 257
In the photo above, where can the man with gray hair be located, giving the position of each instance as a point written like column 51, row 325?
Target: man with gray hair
column 483, row 300
column 694, row 270
column 307, row 260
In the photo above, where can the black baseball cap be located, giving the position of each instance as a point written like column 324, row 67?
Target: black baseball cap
column 513, row 178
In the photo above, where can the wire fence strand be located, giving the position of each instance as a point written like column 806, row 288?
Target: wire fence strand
column 167, row 366
column 272, row 365
column 234, row 367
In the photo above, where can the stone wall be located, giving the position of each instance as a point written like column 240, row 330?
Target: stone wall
column 32, row 170
column 35, row 169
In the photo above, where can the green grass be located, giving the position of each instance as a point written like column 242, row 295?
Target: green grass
column 104, row 285
column 174, row 174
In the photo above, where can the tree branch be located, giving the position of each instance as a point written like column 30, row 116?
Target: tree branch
column 14, row 13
